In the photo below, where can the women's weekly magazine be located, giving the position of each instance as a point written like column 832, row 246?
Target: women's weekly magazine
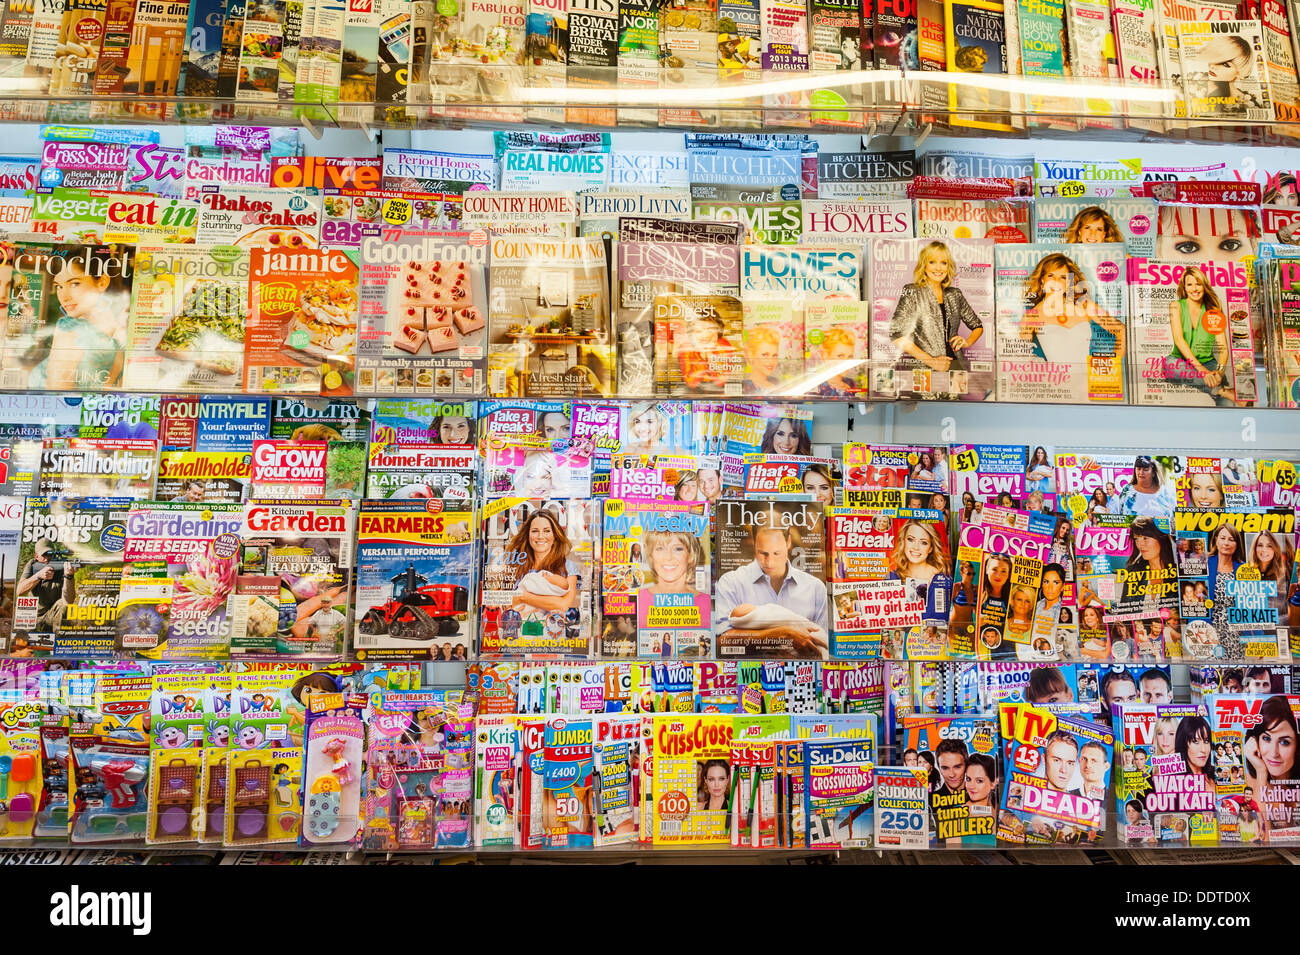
column 1062, row 322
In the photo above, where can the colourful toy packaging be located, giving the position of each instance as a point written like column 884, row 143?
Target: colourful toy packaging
column 335, row 742
column 20, row 767
column 263, row 790
column 419, row 779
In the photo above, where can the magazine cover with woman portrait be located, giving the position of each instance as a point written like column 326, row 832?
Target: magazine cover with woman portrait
column 691, row 756
column 537, row 575
column 1144, row 593
column 932, row 319
column 1000, row 571
column 1224, row 75
column 770, row 581
column 1234, row 574
column 67, row 319
column 1192, row 344
column 1191, row 234
column 415, row 572
column 1061, row 322
column 534, row 467
column 655, row 579
column 1131, row 221
column 1057, row 776
column 1257, row 772
column 761, row 428
column 1165, row 777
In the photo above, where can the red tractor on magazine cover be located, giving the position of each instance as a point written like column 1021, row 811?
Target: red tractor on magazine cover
column 418, row 610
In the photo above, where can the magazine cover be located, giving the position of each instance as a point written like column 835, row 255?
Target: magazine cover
column 918, row 351
column 996, row 474
column 691, row 756
column 656, row 585
column 1224, row 73
column 303, row 318
column 768, row 474
column 649, row 271
column 902, row 808
column 945, row 216
column 794, row 299
column 1234, row 573
column 1165, row 782
column 839, row 793
column 1062, row 330
column 98, row 467
column 537, row 577
column 534, row 466
column 770, row 580
column 550, row 324
column 1256, row 783
column 69, row 577
column 423, row 314
column 906, row 475
column 1057, row 776
column 959, row 756
column 975, row 41
column 252, row 218
column 415, row 572
column 1086, row 219
column 185, row 333
column 1192, row 342
column 294, row 580
column 697, row 351
column 178, row 583
column 1002, row 562
column 422, row 471
column 67, row 317
column 771, row 213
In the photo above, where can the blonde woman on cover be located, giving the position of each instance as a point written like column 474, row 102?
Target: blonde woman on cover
column 673, row 557
column 646, row 430
column 1061, row 319
column 838, row 345
column 918, row 553
column 1093, row 224
column 1192, row 316
column 930, row 312
column 763, row 360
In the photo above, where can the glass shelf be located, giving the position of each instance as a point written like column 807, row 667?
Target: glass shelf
column 875, row 102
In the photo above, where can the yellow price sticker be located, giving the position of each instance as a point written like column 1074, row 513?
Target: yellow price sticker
column 1071, row 190
column 967, row 460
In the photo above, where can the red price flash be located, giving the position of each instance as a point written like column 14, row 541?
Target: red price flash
column 1027, row 758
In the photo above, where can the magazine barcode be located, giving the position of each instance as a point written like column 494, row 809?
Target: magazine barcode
column 669, row 828
column 12, row 378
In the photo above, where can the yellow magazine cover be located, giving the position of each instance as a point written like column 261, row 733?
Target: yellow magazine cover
column 692, row 769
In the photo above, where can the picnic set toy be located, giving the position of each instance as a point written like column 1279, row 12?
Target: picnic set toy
column 263, row 791
column 178, row 728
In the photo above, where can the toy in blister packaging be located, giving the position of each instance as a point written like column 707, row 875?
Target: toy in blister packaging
column 217, row 689
column 110, row 802
column 420, row 779
column 20, row 767
column 331, row 778
column 175, row 795
column 263, row 796
column 121, row 708
column 52, row 809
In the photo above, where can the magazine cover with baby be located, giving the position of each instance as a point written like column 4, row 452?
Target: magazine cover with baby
column 770, row 580
column 932, row 319
column 1062, row 330
column 655, row 579
column 537, row 575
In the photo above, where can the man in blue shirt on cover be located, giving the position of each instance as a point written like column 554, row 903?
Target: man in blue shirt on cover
column 745, row 596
